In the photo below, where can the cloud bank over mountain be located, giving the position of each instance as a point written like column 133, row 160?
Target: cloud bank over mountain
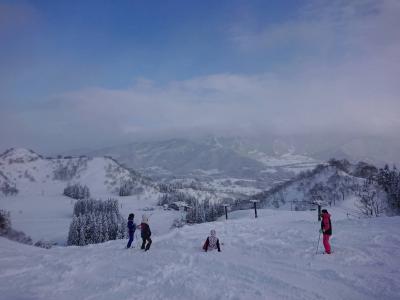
column 336, row 69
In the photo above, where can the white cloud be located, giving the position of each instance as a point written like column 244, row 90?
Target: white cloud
column 326, row 29
column 356, row 90
column 359, row 96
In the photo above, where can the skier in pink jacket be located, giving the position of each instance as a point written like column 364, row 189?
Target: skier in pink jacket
column 326, row 229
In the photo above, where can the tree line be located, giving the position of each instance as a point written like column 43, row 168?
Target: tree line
column 77, row 191
column 96, row 221
column 197, row 211
column 389, row 180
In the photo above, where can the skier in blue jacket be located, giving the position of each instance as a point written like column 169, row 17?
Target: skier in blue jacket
column 131, row 229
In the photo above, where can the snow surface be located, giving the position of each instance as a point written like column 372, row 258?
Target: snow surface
column 272, row 257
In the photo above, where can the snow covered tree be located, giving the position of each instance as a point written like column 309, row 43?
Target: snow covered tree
column 96, row 221
column 130, row 187
column 372, row 201
column 73, row 233
column 205, row 211
column 166, row 188
column 125, row 189
column 122, row 230
column 8, row 190
column 5, row 221
column 7, row 231
column 77, row 191
column 45, row 244
column 389, row 181
column 66, row 172
column 343, row 165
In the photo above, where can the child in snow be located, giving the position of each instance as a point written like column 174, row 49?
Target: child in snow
column 145, row 233
column 212, row 242
column 131, row 229
column 326, row 229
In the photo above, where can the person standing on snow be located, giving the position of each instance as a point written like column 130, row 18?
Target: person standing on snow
column 212, row 242
column 145, row 233
column 131, row 229
column 326, row 229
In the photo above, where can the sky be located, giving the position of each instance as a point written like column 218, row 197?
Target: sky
column 87, row 74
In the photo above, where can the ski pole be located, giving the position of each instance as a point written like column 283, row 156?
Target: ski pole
column 319, row 237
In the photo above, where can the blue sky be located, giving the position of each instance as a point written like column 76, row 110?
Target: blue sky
column 154, row 65
column 73, row 44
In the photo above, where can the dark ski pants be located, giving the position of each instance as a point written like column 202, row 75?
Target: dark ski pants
column 149, row 241
column 130, row 240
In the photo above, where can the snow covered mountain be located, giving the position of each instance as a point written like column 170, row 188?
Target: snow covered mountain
column 267, row 157
column 32, row 174
column 329, row 184
column 236, row 157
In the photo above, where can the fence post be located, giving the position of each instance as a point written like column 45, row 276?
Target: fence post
column 255, row 207
column 319, row 212
column 226, row 211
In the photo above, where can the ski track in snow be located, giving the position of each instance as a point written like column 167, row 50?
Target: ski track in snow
column 272, row 257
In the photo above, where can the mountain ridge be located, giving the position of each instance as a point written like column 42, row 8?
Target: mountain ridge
column 31, row 173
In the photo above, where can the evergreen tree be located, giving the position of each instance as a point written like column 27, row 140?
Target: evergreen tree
column 5, row 221
column 82, row 223
column 73, row 232
column 96, row 221
column 76, row 191
column 389, row 181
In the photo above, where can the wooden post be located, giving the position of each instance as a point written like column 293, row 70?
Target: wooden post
column 226, row 211
column 319, row 212
column 255, row 207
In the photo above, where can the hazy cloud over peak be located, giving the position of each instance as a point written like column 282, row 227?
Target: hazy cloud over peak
column 331, row 67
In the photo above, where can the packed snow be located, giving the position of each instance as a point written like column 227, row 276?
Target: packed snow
column 271, row 257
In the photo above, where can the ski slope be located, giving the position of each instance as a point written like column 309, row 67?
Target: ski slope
column 49, row 217
column 272, row 257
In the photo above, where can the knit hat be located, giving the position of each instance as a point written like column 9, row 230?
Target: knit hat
column 145, row 219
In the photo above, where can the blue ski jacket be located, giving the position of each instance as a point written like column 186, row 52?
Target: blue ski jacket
column 131, row 226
